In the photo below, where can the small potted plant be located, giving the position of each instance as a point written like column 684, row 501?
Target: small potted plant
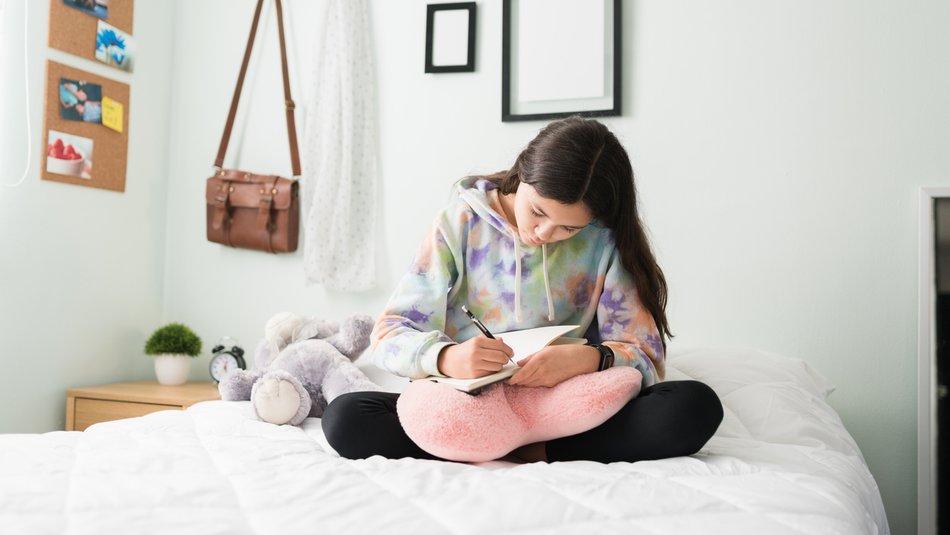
column 174, row 345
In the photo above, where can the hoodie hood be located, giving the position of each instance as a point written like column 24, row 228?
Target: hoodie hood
column 483, row 197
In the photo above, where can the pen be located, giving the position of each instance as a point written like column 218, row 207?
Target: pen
column 481, row 327
column 477, row 323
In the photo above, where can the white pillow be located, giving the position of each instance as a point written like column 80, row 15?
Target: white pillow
column 766, row 397
column 726, row 368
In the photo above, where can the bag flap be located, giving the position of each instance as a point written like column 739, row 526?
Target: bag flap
column 246, row 189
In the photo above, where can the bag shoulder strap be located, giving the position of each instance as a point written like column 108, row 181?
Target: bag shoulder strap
column 288, row 101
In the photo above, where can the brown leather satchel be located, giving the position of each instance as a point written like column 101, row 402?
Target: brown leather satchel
column 251, row 210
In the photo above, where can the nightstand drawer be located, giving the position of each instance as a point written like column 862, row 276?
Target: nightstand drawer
column 91, row 411
column 93, row 404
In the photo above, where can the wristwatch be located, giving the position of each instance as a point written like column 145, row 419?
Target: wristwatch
column 606, row 356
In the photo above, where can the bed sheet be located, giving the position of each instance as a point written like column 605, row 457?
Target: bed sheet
column 781, row 463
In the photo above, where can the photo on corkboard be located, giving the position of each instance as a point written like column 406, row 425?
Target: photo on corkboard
column 80, row 101
column 99, row 8
column 70, row 155
column 114, row 47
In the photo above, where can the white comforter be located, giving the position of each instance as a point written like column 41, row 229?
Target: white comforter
column 782, row 462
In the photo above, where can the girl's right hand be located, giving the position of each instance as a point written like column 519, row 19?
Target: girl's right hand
column 475, row 357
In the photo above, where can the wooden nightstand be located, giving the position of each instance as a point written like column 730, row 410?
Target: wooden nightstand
column 86, row 406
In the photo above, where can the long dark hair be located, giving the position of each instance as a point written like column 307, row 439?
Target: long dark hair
column 576, row 159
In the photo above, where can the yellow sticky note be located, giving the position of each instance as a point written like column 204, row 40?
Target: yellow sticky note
column 112, row 114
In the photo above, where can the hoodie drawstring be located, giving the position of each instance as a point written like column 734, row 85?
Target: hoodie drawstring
column 517, row 281
column 547, row 285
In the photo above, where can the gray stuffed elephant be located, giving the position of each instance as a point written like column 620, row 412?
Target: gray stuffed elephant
column 301, row 365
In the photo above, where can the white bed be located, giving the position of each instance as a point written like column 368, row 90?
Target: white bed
column 781, row 462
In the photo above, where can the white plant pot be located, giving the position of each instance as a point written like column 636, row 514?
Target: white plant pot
column 172, row 369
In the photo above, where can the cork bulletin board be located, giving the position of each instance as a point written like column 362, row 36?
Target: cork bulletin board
column 74, row 31
column 99, row 153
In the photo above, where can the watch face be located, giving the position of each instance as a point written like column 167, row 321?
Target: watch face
column 222, row 364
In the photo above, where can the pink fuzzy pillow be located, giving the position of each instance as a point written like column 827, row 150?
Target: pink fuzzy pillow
column 457, row 426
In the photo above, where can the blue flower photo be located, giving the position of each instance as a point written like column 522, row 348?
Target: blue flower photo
column 114, row 47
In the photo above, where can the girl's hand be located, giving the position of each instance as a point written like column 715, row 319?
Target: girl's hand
column 476, row 357
column 555, row 364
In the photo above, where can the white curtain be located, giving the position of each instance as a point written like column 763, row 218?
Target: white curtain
column 339, row 154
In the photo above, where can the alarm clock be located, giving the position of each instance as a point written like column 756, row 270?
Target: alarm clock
column 227, row 358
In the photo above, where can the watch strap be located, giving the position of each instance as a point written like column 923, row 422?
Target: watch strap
column 606, row 356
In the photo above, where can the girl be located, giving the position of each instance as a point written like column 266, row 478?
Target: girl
column 554, row 240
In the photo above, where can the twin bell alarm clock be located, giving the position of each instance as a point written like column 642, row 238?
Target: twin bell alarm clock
column 227, row 357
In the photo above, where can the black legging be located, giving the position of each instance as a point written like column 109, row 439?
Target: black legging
column 667, row 419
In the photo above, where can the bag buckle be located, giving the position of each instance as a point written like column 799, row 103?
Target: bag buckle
column 263, row 213
column 221, row 205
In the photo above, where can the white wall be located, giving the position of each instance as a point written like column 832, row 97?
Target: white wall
column 81, row 269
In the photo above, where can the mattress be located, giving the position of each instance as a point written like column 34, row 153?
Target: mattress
column 782, row 462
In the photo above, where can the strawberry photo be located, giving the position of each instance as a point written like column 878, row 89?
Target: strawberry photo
column 68, row 154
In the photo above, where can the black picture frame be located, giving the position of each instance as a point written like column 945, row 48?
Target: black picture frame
column 609, row 105
column 431, row 10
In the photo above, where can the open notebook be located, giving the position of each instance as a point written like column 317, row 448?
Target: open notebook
column 524, row 343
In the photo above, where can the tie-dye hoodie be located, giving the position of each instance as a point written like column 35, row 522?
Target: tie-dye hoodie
column 474, row 257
